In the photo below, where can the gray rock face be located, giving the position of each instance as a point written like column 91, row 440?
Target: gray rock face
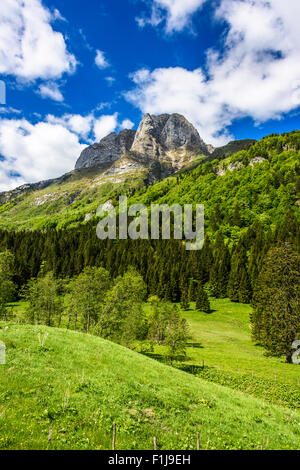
column 159, row 139
column 109, row 149
column 157, row 135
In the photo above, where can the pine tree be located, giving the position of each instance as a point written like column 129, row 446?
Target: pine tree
column 276, row 301
column 239, row 286
column 220, row 270
column 202, row 302
column 184, row 300
column 191, row 291
column 7, row 286
column 245, row 289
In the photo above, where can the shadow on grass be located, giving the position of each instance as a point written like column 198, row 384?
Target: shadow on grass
column 192, row 369
column 195, row 345
column 210, row 312
column 165, row 359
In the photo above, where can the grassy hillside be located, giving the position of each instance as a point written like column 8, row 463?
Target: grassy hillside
column 66, row 201
column 79, row 384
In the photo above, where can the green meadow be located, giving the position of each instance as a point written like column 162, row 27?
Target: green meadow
column 78, row 385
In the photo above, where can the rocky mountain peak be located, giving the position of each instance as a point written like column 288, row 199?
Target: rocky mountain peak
column 157, row 135
column 167, row 140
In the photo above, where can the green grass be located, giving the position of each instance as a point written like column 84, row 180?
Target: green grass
column 222, row 342
column 226, row 344
column 66, row 201
column 79, row 385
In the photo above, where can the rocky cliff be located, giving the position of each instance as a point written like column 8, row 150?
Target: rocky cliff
column 109, row 149
column 163, row 144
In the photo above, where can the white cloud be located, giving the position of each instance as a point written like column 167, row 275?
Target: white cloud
column 100, row 60
column 51, row 90
column 176, row 90
column 105, row 125
column 35, row 152
column 262, row 59
column 127, row 124
column 9, row 110
column 91, row 128
column 255, row 76
column 50, row 148
column 29, row 47
column 80, row 125
column 176, row 13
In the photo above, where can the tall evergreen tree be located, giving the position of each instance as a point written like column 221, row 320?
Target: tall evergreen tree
column 276, row 301
column 220, row 270
column 7, row 286
column 202, row 301
column 185, row 305
column 239, row 286
column 191, row 291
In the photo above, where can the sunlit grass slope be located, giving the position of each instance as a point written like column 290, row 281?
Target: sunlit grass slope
column 79, row 385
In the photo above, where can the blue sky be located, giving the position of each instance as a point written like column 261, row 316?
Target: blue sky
column 75, row 71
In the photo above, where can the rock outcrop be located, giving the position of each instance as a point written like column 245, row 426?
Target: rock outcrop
column 157, row 135
column 108, row 150
column 166, row 143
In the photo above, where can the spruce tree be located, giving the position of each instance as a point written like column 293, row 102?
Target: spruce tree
column 202, row 302
column 191, row 291
column 184, row 300
column 239, row 285
column 7, row 286
column 219, row 273
column 245, row 289
column 276, row 301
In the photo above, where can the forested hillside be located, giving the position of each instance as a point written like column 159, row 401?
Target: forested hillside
column 251, row 201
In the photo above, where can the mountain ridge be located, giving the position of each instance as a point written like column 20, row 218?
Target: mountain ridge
column 161, row 146
column 263, row 181
column 164, row 143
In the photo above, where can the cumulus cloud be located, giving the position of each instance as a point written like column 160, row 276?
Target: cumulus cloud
column 177, row 90
column 104, row 125
column 29, row 46
column 91, row 128
column 80, row 125
column 34, row 152
column 100, row 60
column 255, row 74
column 176, row 13
column 51, row 90
column 47, row 149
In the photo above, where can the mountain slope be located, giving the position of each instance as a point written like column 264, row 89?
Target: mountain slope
column 261, row 183
column 231, row 148
column 79, row 385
